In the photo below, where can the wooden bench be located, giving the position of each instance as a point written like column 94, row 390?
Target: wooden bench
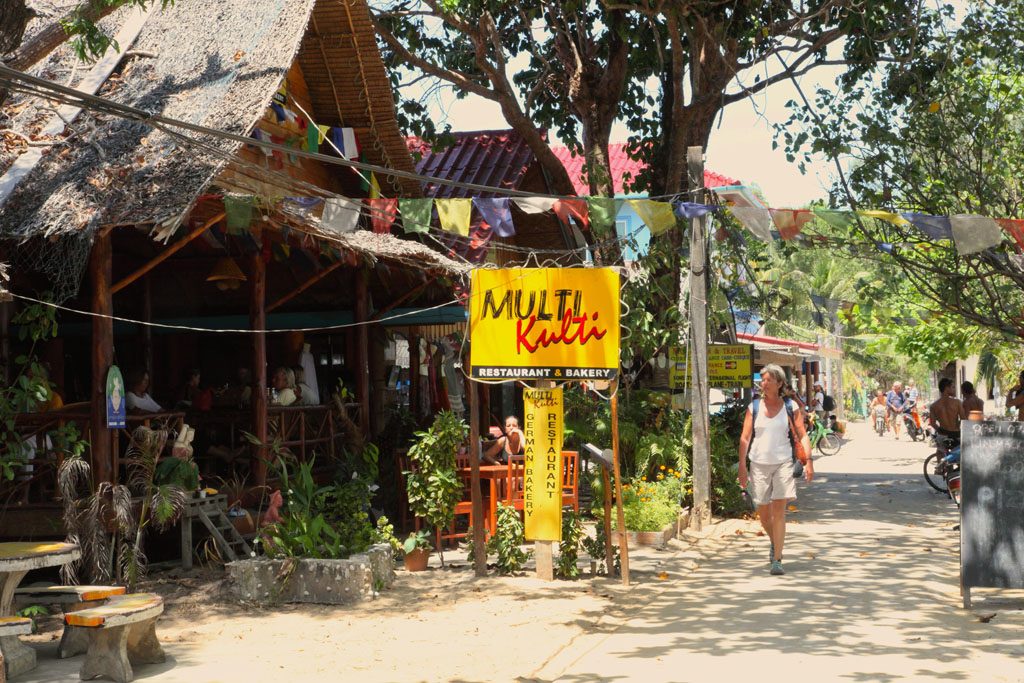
column 73, row 641
column 121, row 633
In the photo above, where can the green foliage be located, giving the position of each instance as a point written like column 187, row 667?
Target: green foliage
column 507, row 541
column 34, row 612
column 321, row 522
column 433, row 484
column 385, row 533
column 28, row 391
column 417, row 540
column 89, row 40
column 651, row 505
column 595, row 548
column 726, row 494
column 569, row 547
column 942, row 134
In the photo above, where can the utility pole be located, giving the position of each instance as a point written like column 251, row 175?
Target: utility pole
column 699, row 398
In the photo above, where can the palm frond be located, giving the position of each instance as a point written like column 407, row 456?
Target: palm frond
column 167, row 504
column 121, row 502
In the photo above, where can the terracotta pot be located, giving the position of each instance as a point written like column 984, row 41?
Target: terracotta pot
column 416, row 561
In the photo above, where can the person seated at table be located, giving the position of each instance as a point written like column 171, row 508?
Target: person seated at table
column 511, row 443
column 137, row 398
column 189, row 391
column 303, row 394
column 236, row 394
column 284, row 387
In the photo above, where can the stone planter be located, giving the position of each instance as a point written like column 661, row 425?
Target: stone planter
column 329, row 582
column 638, row 538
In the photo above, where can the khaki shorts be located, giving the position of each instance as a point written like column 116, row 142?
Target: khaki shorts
column 771, row 482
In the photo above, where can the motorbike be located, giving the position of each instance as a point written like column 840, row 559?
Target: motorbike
column 929, row 429
column 942, row 469
column 912, row 421
column 880, row 422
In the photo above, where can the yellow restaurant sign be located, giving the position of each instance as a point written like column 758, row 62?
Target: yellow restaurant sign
column 543, row 427
column 729, row 366
column 544, row 323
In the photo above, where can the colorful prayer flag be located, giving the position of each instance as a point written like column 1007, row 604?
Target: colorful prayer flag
column 479, row 240
column 238, row 210
column 693, row 209
column 834, row 217
column 657, row 216
column 1014, row 227
column 755, row 219
column 497, row 213
column 383, row 213
column 454, row 215
column 575, row 209
column 341, row 214
column 972, row 233
column 602, row 212
column 933, row 227
column 790, row 222
column 887, row 216
column 535, row 204
column 416, row 214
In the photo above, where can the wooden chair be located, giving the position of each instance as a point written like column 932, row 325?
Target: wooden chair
column 510, row 489
column 463, row 508
column 571, row 479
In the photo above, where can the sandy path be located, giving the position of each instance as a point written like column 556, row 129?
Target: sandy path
column 871, row 594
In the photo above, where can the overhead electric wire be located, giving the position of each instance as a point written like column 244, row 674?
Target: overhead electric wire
column 18, row 80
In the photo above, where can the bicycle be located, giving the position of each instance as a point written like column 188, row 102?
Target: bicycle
column 822, row 436
column 935, row 464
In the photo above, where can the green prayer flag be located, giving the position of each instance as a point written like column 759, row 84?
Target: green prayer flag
column 312, row 139
column 416, row 214
column 238, row 211
column 602, row 216
column 838, row 219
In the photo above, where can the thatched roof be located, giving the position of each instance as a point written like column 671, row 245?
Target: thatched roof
column 4, row 279
column 116, row 171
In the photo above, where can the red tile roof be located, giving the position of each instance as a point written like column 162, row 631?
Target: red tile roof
column 496, row 158
column 623, row 168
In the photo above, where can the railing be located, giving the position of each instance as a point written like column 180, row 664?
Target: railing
column 302, row 429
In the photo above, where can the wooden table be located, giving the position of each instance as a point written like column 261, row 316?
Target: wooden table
column 493, row 474
column 16, row 559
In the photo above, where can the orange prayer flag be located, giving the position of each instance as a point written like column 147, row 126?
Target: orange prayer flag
column 790, row 222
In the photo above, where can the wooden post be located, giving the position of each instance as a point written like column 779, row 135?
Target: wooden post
column 258, row 321
column 699, row 351
column 620, row 516
column 363, row 349
column 414, row 372
column 102, row 355
column 609, row 552
column 479, row 549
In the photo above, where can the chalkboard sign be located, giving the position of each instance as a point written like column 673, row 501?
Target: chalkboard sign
column 992, row 524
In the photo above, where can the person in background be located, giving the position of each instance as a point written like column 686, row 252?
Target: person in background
column 189, row 391
column 971, row 403
column 946, row 412
column 877, row 407
column 237, row 394
column 284, row 387
column 818, row 404
column 137, row 398
column 1015, row 397
column 894, row 402
column 509, row 444
column 910, row 396
column 766, row 441
column 304, row 396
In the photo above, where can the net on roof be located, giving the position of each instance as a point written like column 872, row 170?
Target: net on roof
column 59, row 261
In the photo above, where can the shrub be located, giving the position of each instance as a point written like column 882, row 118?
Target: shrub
column 569, row 546
column 507, row 541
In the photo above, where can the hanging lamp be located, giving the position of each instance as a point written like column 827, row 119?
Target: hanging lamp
column 226, row 274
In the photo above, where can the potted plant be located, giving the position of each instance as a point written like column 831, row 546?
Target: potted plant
column 433, row 483
column 417, row 551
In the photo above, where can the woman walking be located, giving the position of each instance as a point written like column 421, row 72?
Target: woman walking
column 769, row 425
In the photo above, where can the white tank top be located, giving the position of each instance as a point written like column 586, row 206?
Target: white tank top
column 771, row 437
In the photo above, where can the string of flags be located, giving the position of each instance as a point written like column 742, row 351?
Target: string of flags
column 969, row 233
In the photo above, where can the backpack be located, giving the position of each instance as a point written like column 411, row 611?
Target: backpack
column 829, row 404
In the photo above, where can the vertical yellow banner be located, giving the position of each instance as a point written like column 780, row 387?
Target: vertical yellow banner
column 542, row 488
